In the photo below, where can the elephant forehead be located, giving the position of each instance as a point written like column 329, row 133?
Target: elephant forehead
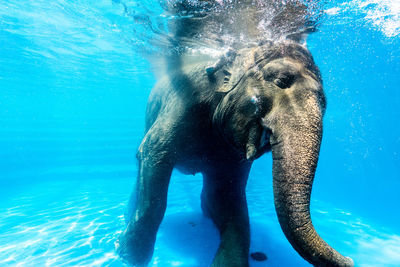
column 244, row 62
column 285, row 64
column 284, row 60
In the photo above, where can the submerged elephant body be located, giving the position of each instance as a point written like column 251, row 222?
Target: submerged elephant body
column 217, row 116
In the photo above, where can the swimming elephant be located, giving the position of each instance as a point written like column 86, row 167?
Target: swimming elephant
column 216, row 117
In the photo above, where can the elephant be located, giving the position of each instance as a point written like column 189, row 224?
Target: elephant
column 215, row 117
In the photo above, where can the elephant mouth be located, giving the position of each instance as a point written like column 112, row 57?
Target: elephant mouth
column 258, row 146
column 265, row 141
column 265, row 138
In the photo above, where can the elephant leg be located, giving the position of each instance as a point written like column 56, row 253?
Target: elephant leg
column 148, row 201
column 224, row 200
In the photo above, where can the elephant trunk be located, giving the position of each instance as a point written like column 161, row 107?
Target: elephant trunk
column 295, row 150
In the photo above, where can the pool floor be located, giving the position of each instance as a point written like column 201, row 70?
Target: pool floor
column 75, row 223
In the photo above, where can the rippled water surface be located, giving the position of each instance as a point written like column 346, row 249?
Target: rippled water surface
column 74, row 80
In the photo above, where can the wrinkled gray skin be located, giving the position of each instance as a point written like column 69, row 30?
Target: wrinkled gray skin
column 216, row 120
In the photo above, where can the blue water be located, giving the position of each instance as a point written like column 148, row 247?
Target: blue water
column 74, row 80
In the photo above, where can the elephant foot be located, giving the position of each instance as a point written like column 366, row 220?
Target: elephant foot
column 135, row 246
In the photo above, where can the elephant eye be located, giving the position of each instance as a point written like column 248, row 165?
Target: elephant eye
column 283, row 78
column 284, row 81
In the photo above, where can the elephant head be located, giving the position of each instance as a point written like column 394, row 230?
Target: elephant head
column 274, row 102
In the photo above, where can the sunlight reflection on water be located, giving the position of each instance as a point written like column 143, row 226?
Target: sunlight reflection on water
column 77, row 222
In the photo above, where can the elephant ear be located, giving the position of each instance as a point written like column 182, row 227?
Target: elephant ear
column 230, row 69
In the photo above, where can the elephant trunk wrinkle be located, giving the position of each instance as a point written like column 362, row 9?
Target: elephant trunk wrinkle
column 295, row 152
